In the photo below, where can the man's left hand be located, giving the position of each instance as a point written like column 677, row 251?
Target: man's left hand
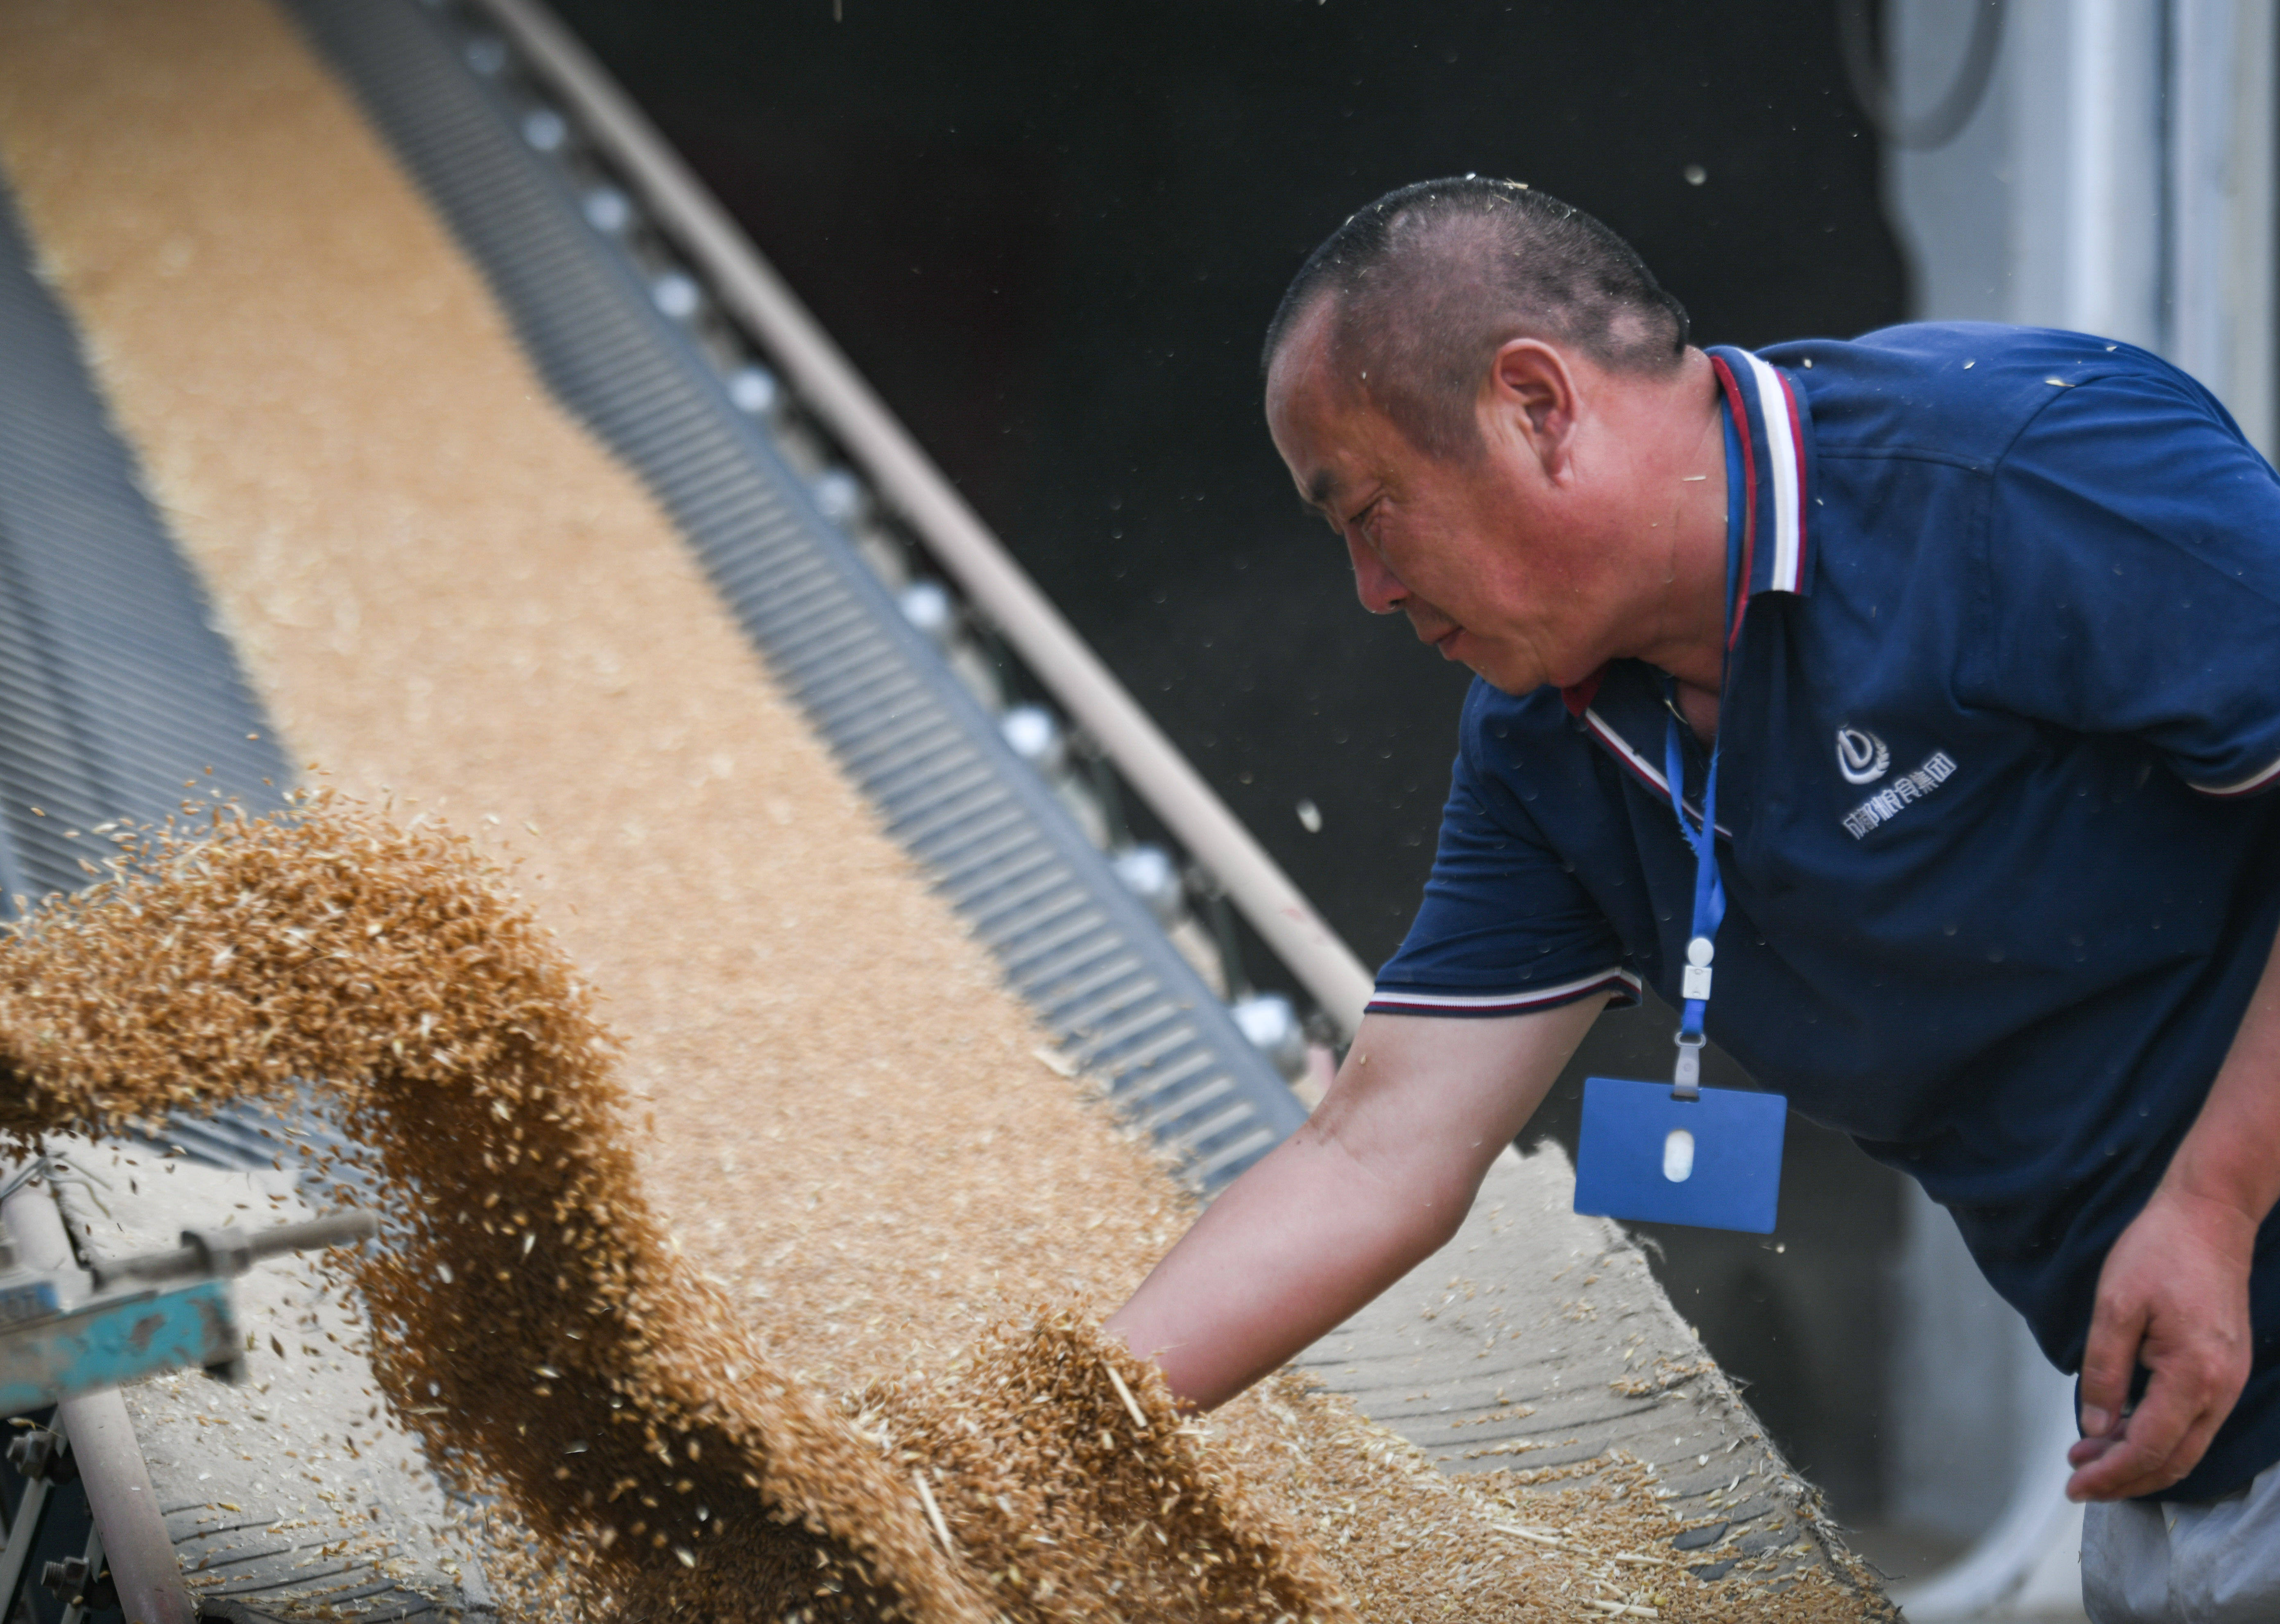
column 2173, row 1296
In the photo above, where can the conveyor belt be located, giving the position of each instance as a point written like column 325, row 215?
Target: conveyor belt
column 446, row 91
column 117, row 692
column 115, row 685
column 1537, row 1339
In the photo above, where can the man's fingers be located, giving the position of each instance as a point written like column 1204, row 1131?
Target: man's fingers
column 2123, row 1474
column 2108, row 1360
column 2159, row 1442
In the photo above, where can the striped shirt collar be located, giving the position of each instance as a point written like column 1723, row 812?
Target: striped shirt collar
column 1773, row 426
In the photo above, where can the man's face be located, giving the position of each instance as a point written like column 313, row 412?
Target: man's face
column 1489, row 555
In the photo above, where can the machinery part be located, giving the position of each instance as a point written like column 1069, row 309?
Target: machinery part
column 207, row 1254
column 37, row 1452
column 81, row 1582
column 143, row 1315
column 24, row 1533
column 1035, row 737
column 1149, row 873
column 80, row 1346
column 927, row 606
column 66, row 1579
column 341, row 1534
column 119, row 1496
column 1269, row 1020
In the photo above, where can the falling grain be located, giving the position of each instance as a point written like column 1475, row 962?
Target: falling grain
column 461, row 1050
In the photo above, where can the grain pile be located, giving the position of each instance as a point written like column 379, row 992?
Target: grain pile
column 530, row 1319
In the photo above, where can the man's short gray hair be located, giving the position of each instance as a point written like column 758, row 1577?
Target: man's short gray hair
column 1425, row 285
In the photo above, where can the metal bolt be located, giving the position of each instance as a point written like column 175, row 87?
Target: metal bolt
column 37, row 1452
column 67, row 1580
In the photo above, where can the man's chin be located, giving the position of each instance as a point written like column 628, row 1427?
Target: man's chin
column 1500, row 668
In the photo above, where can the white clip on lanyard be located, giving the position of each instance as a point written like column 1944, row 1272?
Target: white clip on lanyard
column 1709, row 903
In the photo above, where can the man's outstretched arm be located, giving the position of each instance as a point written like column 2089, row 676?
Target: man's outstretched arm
column 1380, row 1176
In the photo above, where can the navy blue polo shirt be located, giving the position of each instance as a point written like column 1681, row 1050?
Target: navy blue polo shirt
column 2004, row 693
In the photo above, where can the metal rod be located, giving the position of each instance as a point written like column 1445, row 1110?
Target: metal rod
column 233, row 1251
column 831, row 389
column 118, row 1492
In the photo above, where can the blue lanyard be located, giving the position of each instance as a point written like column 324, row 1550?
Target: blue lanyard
column 1709, row 889
column 1709, row 904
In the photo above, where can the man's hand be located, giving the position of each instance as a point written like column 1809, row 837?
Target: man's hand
column 1379, row 1177
column 2173, row 1296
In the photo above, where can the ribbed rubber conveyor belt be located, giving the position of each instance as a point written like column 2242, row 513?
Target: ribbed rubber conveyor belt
column 1076, row 945
column 117, row 693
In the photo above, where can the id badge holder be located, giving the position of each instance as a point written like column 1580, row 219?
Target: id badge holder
column 1649, row 1156
column 1677, row 1152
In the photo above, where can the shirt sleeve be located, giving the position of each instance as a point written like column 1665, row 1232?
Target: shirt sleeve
column 2133, row 573
column 1505, row 928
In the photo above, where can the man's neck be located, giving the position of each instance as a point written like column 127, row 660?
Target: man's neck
column 1680, row 538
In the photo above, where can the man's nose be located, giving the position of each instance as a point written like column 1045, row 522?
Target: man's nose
column 1380, row 589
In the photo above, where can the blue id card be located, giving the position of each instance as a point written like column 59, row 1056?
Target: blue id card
column 1714, row 1161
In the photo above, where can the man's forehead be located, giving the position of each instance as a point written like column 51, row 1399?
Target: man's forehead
column 1311, row 439
column 1314, row 418
column 1300, row 363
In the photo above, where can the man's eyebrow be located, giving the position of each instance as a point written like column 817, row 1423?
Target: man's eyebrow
column 1319, row 490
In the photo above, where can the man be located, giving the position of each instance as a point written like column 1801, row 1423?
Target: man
column 1983, row 625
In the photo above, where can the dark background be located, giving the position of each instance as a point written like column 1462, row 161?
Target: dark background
column 1050, row 234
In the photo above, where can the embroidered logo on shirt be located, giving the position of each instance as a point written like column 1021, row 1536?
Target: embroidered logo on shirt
column 1861, row 757
column 1885, row 804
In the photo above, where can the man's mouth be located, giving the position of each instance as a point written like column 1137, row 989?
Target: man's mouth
column 1447, row 641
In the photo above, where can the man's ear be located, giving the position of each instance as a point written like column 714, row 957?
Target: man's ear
column 1532, row 399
